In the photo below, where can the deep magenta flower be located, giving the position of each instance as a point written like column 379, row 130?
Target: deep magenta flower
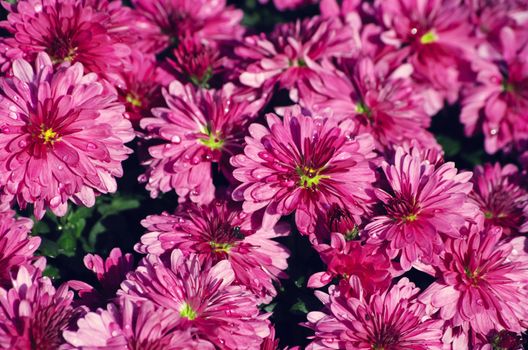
column 438, row 37
column 67, row 30
column 385, row 99
column 209, row 21
column 294, row 51
column 304, row 164
column 423, row 202
column 130, row 325
column 498, row 102
column 109, row 273
column 498, row 193
column 33, row 313
column 391, row 319
column 345, row 258
column 482, row 281
column 62, row 136
column 16, row 246
column 211, row 306
column 221, row 231
column 199, row 127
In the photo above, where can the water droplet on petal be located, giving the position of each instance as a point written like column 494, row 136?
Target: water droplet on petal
column 494, row 131
column 22, row 143
column 176, row 139
column 414, row 31
column 91, row 146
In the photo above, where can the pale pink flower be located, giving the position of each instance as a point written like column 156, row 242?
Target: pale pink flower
column 129, row 325
column 392, row 319
column 62, row 136
column 199, row 127
column 16, row 245
column 482, row 282
column 423, row 203
column 210, row 305
column 33, row 313
column 67, row 30
column 221, row 231
column 304, row 164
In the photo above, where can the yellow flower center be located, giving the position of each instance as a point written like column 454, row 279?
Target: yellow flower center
column 220, row 247
column 188, row 312
column 48, row 135
column 133, row 100
column 309, row 177
column 428, row 38
column 409, row 218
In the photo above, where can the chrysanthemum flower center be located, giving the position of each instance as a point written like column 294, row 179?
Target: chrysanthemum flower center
column 47, row 135
column 213, row 141
column 362, row 108
column 409, row 218
column 188, row 312
column 309, row 177
column 428, row 38
column 220, row 247
column 340, row 220
column 473, row 276
column 133, row 100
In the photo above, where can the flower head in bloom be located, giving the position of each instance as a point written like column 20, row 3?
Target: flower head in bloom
column 283, row 5
column 139, row 86
column 217, row 311
column 221, row 231
column 293, row 51
column 33, row 313
column 482, row 281
column 500, row 197
column 209, row 21
column 422, row 202
column 199, row 127
column 16, row 246
column 386, row 101
column 437, row 35
column 110, row 273
column 130, row 325
column 391, row 319
column 498, row 103
column 345, row 258
column 68, row 31
column 62, row 136
column 304, row 164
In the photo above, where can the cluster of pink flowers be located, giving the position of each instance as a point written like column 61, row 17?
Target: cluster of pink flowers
column 346, row 152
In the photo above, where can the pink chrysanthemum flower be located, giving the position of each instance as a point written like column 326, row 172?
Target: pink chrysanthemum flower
column 110, row 273
column 423, row 202
column 221, row 231
column 438, row 37
column 209, row 21
column 130, row 326
column 199, row 127
column 62, row 136
column 386, row 320
column 68, row 31
column 498, row 103
column 482, row 281
column 294, row 51
column 345, row 258
column 139, row 86
column 304, row 164
column 211, row 306
column 16, row 246
column 32, row 313
column 500, row 197
column 385, row 99
column 283, row 5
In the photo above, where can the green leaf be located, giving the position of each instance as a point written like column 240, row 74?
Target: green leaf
column 299, row 307
column 67, row 244
column 51, row 272
column 117, row 205
column 451, row 146
column 40, row 228
column 299, row 282
column 48, row 248
column 97, row 229
column 270, row 307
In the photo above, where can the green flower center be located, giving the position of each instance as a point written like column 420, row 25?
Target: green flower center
column 409, row 218
column 133, row 100
column 473, row 276
column 362, row 108
column 187, row 312
column 213, row 142
column 428, row 38
column 309, row 177
column 507, row 86
column 220, row 247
